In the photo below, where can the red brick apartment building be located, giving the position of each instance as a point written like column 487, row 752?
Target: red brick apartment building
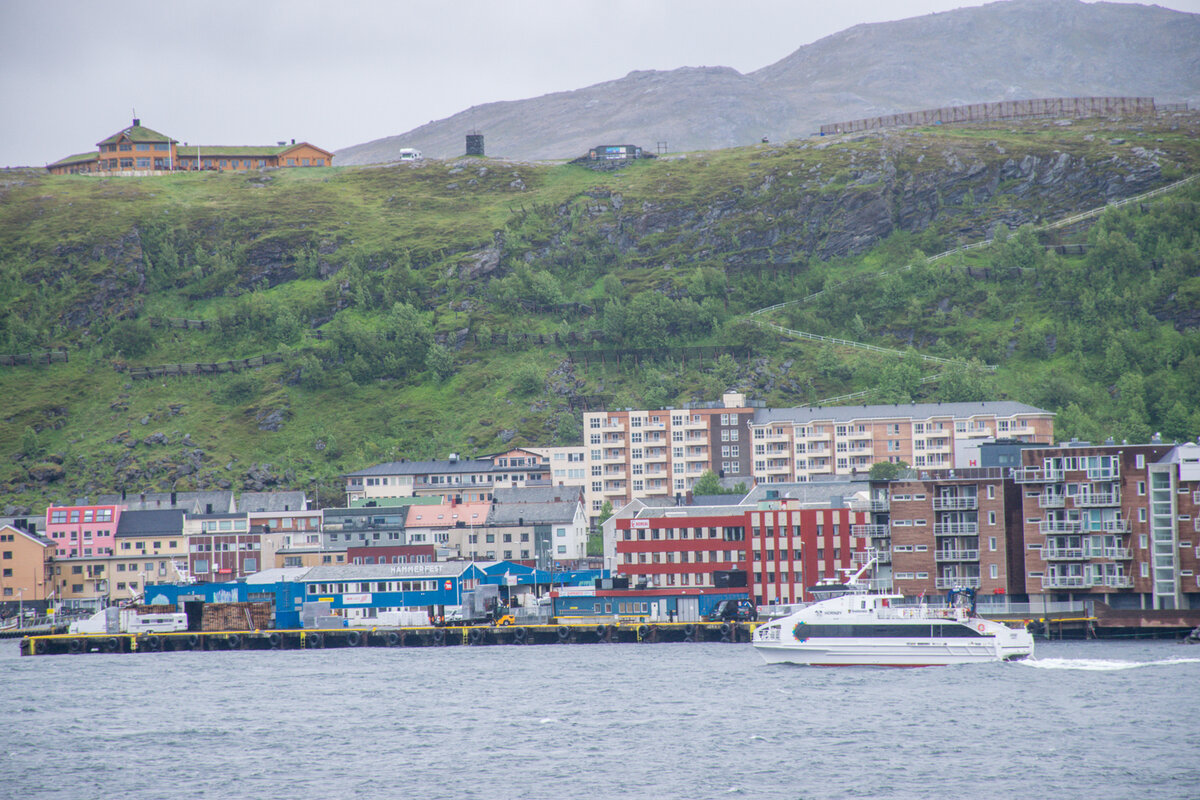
column 1117, row 523
column 139, row 150
column 784, row 549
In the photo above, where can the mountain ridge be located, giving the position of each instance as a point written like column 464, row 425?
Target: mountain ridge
column 1015, row 49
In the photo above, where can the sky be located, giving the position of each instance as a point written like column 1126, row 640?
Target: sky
column 342, row 72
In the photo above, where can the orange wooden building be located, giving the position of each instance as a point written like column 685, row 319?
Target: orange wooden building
column 140, row 150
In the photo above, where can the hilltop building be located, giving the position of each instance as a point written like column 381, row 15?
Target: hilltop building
column 138, row 150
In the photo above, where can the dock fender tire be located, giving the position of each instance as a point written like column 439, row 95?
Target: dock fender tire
column 601, row 631
column 439, row 636
column 393, row 639
column 317, row 640
column 475, row 636
column 75, row 647
column 275, row 640
column 726, row 628
column 564, row 633
column 518, row 635
column 234, row 641
column 192, row 641
column 112, row 645
column 151, row 643
column 643, row 631
column 353, row 638
column 40, row 646
column 689, row 630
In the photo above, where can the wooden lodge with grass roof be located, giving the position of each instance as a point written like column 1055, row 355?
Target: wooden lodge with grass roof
column 137, row 150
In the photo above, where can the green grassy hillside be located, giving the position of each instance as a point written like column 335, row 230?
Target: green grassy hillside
column 395, row 298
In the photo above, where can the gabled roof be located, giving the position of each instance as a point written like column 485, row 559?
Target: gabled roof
column 42, row 540
column 272, row 502
column 136, row 133
column 444, row 515
column 166, row 522
column 1001, row 408
column 538, row 494
column 532, row 513
column 374, row 572
column 78, row 158
column 194, row 502
column 423, row 468
column 218, row 150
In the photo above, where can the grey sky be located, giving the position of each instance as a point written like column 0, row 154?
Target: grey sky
column 345, row 72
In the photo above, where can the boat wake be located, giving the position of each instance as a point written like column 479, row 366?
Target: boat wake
column 1101, row 665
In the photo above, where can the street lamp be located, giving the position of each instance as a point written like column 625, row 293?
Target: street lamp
column 20, row 608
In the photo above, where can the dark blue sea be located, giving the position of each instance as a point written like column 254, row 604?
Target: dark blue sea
column 1082, row 720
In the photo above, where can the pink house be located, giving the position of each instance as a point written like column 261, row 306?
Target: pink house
column 81, row 531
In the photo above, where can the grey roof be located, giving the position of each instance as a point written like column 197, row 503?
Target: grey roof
column 537, row 494
column 259, row 502
column 422, row 468
column 12, row 523
column 717, row 499
column 165, row 522
column 221, row 501
column 1001, row 408
column 374, row 572
column 531, row 513
column 278, row 574
column 824, row 491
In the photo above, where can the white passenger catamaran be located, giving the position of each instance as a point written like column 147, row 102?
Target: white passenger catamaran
column 848, row 626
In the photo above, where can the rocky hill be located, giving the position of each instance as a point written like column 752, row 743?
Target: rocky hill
column 1000, row 51
column 463, row 306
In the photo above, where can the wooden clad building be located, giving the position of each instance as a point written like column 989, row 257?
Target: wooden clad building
column 140, row 150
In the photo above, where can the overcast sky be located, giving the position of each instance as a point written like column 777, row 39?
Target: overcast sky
column 228, row 72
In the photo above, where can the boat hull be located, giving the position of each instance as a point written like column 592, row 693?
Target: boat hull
column 913, row 653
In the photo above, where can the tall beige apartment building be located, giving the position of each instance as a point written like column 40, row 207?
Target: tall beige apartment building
column 660, row 454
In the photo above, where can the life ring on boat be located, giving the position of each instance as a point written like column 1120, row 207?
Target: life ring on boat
column 981, row 627
column 354, row 639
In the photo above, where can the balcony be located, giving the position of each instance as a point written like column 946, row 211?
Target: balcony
column 1116, row 553
column 956, row 529
column 1046, row 500
column 1066, row 582
column 966, row 581
column 1037, row 475
column 870, row 530
column 956, row 555
column 1063, row 554
column 612, row 457
column 1111, row 526
column 955, row 503
column 1048, row 526
column 1118, row 581
column 879, row 504
column 1098, row 499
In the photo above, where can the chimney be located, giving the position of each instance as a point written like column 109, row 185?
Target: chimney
column 293, row 141
column 136, row 122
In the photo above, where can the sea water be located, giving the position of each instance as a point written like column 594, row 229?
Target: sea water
column 1080, row 720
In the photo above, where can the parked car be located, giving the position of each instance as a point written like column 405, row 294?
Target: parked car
column 727, row 610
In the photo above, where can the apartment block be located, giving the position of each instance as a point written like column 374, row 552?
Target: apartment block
column 1117, row 522
column 779, row 542
column 799, row 444
column 660, row 454
column 934, row 531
